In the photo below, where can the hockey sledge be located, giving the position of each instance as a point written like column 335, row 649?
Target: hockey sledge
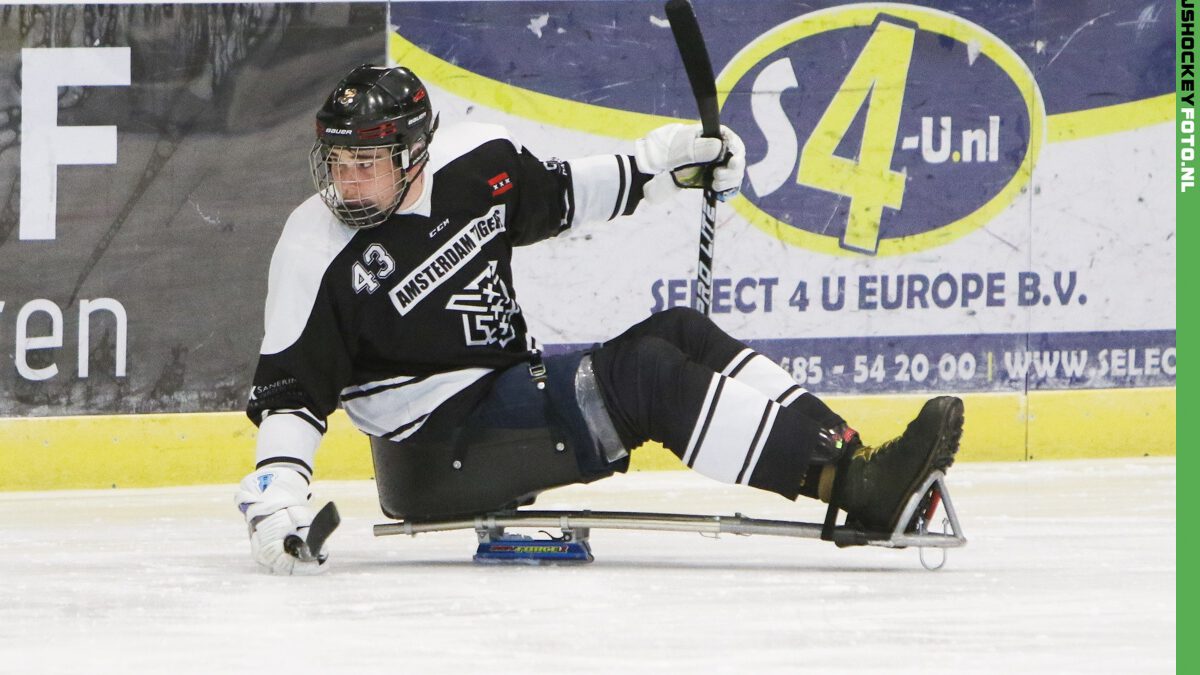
column 572, row 545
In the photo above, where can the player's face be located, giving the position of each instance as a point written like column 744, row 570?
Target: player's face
column 365, row 177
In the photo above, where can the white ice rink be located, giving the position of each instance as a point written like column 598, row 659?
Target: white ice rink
column 1070, row 569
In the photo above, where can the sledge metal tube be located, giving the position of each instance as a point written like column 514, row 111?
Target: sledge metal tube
column 663, row 522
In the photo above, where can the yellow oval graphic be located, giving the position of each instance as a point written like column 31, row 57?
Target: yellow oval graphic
column 868, row 180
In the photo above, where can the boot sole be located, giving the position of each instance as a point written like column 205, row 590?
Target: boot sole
column 942, row 456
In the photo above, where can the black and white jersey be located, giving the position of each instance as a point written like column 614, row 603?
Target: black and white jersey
column 392, row 321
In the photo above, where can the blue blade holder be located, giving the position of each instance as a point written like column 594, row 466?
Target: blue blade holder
column 499, row 547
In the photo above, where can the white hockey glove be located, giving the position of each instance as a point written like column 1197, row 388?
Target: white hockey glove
column 681, row 150
column 274, row 500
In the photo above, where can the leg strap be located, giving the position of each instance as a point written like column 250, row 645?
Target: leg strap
column 835, row 497
column 537, row 372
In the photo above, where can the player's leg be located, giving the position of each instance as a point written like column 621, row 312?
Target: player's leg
column 704, row 342
column 716, row 424
column 732, row 432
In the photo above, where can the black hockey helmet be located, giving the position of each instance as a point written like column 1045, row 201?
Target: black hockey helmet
column 372, row 107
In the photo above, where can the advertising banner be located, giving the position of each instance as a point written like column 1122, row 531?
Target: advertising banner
column 976, row 201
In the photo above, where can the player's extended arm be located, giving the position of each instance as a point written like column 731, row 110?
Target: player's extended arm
column 274, row 498
column 668, row 159
column 302, row 366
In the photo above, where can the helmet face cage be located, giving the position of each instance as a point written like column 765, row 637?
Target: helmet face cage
column 373, row 134
column 362, row 185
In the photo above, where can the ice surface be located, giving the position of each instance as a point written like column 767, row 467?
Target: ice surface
column 1070, row 568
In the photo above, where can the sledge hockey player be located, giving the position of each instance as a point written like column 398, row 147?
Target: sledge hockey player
column 391, row 294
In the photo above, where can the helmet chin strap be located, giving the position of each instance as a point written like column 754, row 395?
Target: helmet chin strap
column 408, row 185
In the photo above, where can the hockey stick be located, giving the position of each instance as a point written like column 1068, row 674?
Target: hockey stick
column 686, row 30
column 323, row 525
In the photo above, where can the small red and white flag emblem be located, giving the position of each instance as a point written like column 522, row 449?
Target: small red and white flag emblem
column 500, row 183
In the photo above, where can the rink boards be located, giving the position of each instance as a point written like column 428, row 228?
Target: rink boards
column 188, row 449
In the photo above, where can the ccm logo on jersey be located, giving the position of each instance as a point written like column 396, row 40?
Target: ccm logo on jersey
column 500, row 183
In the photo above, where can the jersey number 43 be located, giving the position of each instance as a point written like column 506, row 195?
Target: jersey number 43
column 376, row 265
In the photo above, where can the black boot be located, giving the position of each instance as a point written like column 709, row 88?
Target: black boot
column 873, row 485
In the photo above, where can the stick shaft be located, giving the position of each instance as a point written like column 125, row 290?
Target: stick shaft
column 699, row 70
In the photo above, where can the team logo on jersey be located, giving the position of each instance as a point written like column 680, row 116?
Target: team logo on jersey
column 450, row 257
column 500, row 183
column 488, row 309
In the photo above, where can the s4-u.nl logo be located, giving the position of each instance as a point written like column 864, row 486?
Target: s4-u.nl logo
column 881, row 129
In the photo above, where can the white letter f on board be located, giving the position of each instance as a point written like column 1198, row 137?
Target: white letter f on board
column 44, row 144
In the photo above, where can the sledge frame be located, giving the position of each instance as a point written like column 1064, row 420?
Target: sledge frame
column 576, row 525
